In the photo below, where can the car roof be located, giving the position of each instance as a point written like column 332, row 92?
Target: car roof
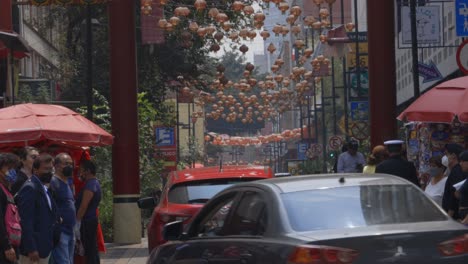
column 232, row 171
column 323, row 181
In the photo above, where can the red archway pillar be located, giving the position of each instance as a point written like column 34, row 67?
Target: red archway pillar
column 6, row 22
column 382, row 71
column 123, row 82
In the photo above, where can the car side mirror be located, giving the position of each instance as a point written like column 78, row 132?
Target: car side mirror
column 147, row 203
column 173, row 230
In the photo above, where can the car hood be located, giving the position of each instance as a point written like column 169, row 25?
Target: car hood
column 380, row 230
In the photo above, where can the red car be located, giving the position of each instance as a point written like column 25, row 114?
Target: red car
column 186, row 191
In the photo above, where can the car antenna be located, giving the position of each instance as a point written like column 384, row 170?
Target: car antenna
column 221, row 163
column 341, row 180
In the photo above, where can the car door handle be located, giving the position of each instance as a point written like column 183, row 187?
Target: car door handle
column 246, row 255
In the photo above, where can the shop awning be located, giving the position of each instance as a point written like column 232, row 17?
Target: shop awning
column 441, row 104
column 11, row 41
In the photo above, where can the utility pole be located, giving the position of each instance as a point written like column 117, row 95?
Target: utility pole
column 89, row 61
column 414, row 47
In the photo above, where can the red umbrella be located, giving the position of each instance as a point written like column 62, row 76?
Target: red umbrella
column 27, row 124
column 440, row 104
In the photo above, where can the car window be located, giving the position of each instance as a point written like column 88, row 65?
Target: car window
column 356, row 206
column 199, row 191
column 214, row 222
column 249, row 218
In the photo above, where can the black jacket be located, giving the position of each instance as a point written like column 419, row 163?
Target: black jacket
column 396, row 165
column 449, row 201
column 21, row 178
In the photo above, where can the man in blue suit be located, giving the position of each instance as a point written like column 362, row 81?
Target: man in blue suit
column 38, row 213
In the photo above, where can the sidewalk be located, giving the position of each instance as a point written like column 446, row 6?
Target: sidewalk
column 126, row 253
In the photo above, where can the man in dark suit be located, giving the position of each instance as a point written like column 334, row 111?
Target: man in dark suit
column 396, row 164
column 38, row 213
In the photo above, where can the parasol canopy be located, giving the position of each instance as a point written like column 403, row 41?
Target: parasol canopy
column 27, row 124
column 441, row 104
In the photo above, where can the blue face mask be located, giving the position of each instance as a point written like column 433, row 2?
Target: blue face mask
column 11, row 176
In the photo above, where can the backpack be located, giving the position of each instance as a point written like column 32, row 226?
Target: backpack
column 12, row 219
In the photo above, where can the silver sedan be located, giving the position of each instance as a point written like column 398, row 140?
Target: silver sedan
column 336, row 218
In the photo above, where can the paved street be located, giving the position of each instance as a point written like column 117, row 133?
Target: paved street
column 126, row 253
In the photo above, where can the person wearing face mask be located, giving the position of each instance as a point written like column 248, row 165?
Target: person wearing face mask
column 27, row 156
column 449, row 200
column 62, row 192
column 436, row 185
column 87, row 202
column 38, row 215
column 8, row 253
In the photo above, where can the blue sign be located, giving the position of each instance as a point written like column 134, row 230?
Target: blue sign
column 461, row 17
column 429, row 72
column 165, row 136
column 359, row 111
column 301, row 151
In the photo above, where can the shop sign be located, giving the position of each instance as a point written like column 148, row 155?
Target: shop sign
column 359, row 111
column 427, row 24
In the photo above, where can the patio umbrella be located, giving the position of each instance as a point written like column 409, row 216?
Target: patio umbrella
column 441, row 104
column 27, row 124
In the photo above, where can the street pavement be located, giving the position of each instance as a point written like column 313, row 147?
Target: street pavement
column 126, row 253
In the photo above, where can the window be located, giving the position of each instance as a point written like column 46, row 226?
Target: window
column 249, row 218
column 358, row 206
column 214, row 222
column 199, row 191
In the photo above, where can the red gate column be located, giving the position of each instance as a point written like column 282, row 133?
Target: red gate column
column 123, row 82
column 382, row 77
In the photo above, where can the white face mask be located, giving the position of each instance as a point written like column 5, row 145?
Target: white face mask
column 445, row 161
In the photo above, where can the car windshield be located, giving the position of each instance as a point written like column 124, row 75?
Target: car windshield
column 200, row 191
column 357, row 206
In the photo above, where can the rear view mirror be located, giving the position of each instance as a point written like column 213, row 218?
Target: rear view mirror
column 173, row 230
column 147, row 203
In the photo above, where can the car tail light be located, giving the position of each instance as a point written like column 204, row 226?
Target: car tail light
column 165, row 218
column 312, row 254
column 453, row 247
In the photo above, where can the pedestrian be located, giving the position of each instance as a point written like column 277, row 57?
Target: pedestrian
column 8, row 252
column 450, row 202
column 351, row 160
column 24, row 172
column 436, row 184
column 462, row 193
column 38, row 213
column 379, row 154
column 87, row 202
column 396, row 164
column 62, row 193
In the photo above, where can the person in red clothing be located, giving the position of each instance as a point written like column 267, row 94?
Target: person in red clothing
column 8, row 253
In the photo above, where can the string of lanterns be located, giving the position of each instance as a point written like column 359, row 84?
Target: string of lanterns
column 226, row 140
column 250, row 100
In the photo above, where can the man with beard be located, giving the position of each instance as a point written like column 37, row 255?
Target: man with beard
column 38, row 213
column 61, row 190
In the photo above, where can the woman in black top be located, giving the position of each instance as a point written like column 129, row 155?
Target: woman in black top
column 8, row 253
